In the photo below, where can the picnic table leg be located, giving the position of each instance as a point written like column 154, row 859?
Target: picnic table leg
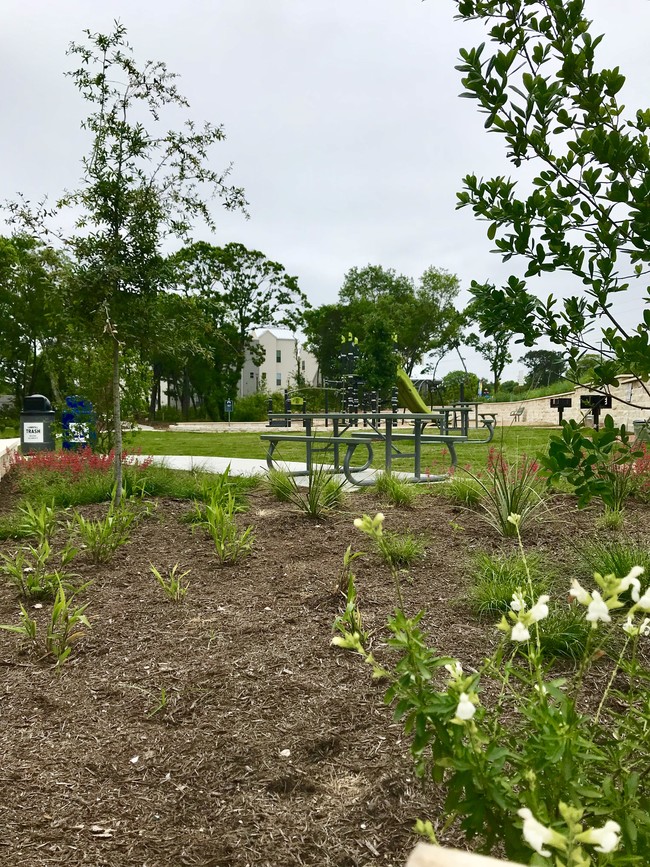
column 418, row 449
column 389, row 445
column 452, row 455
column 335, row 424
column 348, row 470
column 269, row 455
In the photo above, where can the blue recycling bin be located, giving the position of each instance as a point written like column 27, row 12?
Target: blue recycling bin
column 79, row 423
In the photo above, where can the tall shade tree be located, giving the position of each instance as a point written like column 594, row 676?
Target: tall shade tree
column 419, row 319
column 141, row 183
column 544, row 366
column 249, row 289
column 36, row 328
column 588, row 210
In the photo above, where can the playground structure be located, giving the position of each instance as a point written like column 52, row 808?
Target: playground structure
column 448, row 426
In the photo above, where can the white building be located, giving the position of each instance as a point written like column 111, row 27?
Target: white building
column 285, row 361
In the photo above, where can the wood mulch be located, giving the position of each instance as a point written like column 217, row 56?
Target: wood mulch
column 272, row 747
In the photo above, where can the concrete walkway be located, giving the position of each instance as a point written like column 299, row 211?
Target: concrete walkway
column 238, row 466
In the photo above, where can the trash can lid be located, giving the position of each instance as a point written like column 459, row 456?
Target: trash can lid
column 36, row 403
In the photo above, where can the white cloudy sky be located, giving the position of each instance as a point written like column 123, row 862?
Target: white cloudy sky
column 342, row 119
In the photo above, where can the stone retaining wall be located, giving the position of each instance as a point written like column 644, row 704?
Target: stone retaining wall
column 7, row 450
column 538, row 412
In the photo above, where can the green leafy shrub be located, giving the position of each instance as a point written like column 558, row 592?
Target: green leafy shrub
column 595, row 463
column 533, row 762
column 218, row 518
column 465, row 492
column 33, row 573
column 613, row 557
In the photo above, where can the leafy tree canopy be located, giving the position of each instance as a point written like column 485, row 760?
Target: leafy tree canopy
column 544, row 366
column 588, row 212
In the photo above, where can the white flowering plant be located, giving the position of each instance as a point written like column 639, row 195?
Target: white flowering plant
column 550, row 770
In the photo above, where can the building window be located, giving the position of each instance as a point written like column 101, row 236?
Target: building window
column 303, row 365
column 252, row 374
column 278, row 357
column 278, row 379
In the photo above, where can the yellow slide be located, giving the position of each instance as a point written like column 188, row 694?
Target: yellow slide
column 408, row 394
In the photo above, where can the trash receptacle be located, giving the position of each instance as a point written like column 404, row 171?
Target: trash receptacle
column 36, row 421
column 78, row 421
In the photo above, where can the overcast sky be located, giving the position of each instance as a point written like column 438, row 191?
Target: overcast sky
column 342, row 118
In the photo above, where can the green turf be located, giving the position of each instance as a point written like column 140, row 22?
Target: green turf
column 513, row 440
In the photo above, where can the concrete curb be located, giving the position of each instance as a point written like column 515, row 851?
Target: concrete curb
column 8, row 449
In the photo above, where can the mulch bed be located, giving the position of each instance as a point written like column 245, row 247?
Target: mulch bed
column 91, row 775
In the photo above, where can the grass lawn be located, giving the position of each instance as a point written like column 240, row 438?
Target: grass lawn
column 513, row 441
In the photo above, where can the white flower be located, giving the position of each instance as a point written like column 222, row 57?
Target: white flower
column 465, row 709
column 539, row 610
column 579, row 593
column 644, row 629
column 604, row 839
column 518, row 602
column 629, row 627
column 644, row 601
column 632, row 580
column 515, row 519
column 358, row 523
column 455, row 669
column 536, row 835
column 598, row 609
column 519, row 632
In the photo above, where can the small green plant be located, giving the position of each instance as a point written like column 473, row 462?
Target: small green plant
column 161, row 703
column 28, row 628
column 103, row 536
column 400, row 549
column 496, row 578
column 322, row 495
column 509, row 489
column 611, row 519
column 32, row 573
column 613, row 557
column 395, row 491
column 564, row 633
column 218, row 518
column 349, row 622
column 466, row 492
column 64, row 628
column 40, row 522
column 173, row 583
column 280, row 484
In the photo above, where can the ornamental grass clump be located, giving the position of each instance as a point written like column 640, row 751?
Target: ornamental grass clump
column 321, row 496
column 102, row 537
column 548, row 770
column 494, row 579
column 394, row 490
column 507, row 489
column 218, row 518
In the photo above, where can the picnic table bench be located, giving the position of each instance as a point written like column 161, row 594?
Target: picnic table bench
column 329, row 447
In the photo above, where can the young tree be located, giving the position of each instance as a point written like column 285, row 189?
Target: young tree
column 587, row 212
column 141, row 183
column 544, row 366
column 495, row 349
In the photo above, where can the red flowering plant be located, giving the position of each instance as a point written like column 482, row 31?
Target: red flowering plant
column 71, row 477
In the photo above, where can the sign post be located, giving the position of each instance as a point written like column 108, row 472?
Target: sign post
column 228, row 408
column 596, row 402
column 560, row 404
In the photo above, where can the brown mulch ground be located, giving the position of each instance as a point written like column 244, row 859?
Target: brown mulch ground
column 90, row 775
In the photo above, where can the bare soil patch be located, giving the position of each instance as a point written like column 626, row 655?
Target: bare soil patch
column 92, row 775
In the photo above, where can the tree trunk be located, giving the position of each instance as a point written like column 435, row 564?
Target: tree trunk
column 117, row 420
column 185, row 396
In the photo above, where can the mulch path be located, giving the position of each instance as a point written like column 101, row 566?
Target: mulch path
column 91, row 775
